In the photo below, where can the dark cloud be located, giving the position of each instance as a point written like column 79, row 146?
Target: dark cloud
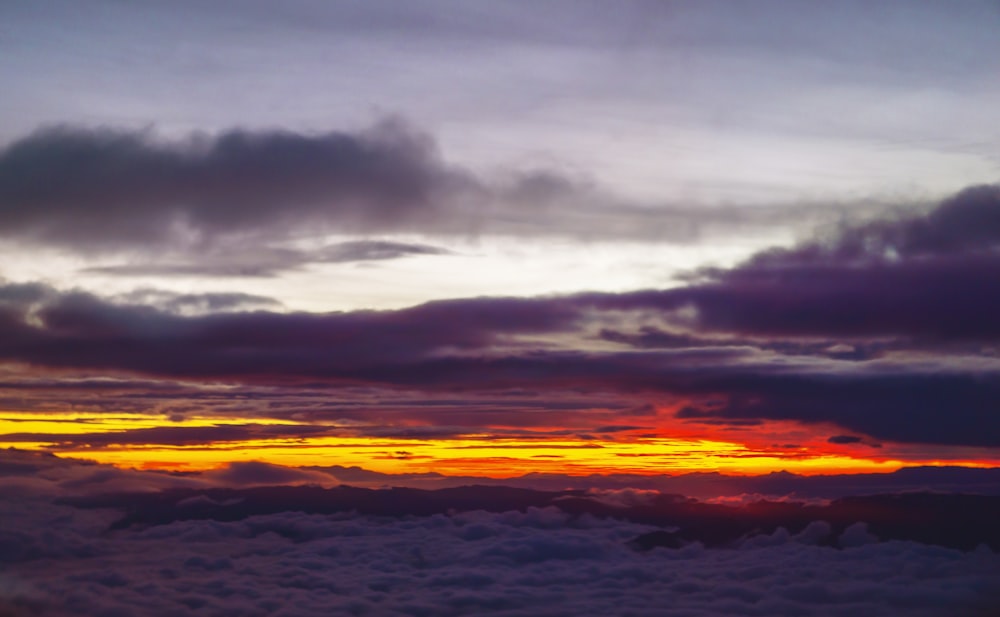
column 952, row 298
column 891, row 344
column 240, row 434
column 517, row 560
column 251, row 473
column 232, row 194
column 77, row 329
column 934, row 276
column 652, row 337
column 967, row 221
column 373, row 251
column 457, row 345
column 101, row 186
column 173, row 435
column 923, row 407
column 928, row 280
column 954, row 520
column 844, row 439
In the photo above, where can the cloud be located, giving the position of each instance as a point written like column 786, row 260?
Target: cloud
column 152, row 340
column 926, row 277
column 889, row 340
column 856, row 535
column 476, row 345
column 374, row 251
column 29, row 475
column 478, row 563
column 270, row 261
column 953, row 520
column 967, row 221
column 173, row 435
column 455, row 559
column 197, row 303
column 119, row 187
column 104, row 189
column 32, row 475
column 256, row 473
column 916, row 407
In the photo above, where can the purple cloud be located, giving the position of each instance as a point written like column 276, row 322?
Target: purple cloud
column 893, row 344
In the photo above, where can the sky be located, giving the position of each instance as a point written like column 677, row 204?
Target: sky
column 501, row 239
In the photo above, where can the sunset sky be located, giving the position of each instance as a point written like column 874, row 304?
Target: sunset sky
column 638, row 237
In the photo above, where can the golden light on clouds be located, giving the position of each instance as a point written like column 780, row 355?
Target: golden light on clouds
column 484, row 454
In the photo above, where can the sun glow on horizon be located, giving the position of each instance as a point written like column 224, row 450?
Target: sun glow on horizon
column 118, row 440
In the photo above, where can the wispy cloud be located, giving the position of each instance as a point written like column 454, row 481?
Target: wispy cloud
column 269, row 261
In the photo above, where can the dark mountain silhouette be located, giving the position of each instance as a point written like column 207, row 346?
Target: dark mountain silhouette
column 705, row 485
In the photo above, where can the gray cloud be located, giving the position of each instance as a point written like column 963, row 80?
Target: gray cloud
column 966, row 222
column 101, row 186
column 105, row 189
column 270, row 261
column 475, row 346
column 373, row 251
column 255, row 473
column 196, row 303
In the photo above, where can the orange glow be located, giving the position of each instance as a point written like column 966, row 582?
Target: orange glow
column 668, row 452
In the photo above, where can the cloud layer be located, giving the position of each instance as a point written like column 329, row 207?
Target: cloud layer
column 885, row 329
column 536, row 561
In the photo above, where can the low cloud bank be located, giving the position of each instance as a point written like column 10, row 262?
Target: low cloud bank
column 541, row 561
column 78, row 540
column 963, row 522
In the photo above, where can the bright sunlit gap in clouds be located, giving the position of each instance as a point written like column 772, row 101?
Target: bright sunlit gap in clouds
column 463, row 268
column 132, row 440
